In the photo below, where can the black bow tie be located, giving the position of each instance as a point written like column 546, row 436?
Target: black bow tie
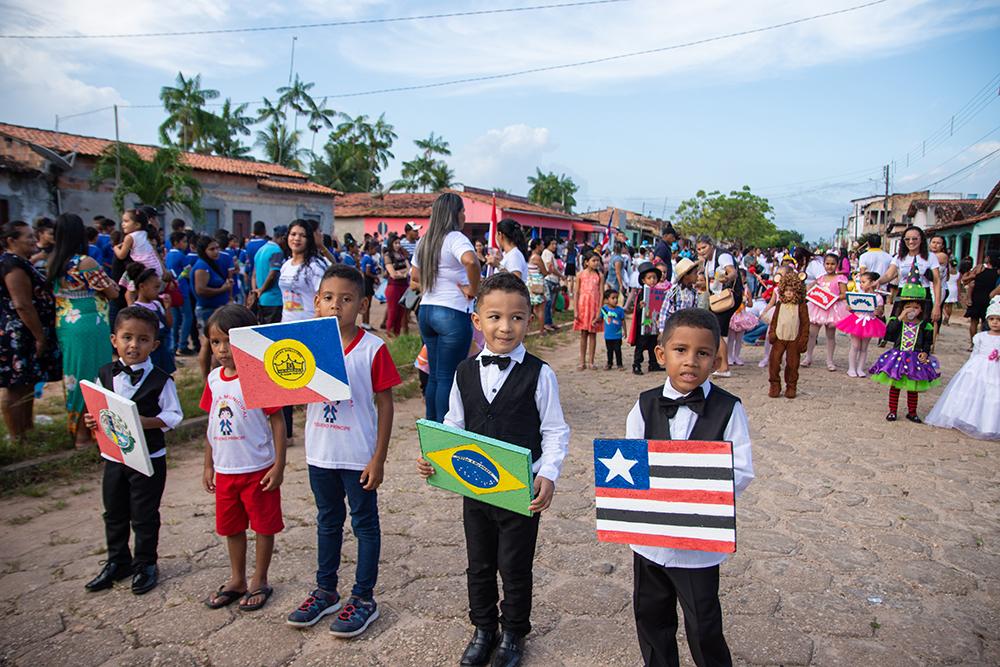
column 133, row 375
column 695, row 401
column 501, row 362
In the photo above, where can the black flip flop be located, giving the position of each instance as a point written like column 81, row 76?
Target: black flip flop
column 222, row 598
column 266, row 591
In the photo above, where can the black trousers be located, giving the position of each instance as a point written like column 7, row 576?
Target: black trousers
column 614, row 348
column 645, row 343
column 656, row 591
column 132, row 498
column 499, row 540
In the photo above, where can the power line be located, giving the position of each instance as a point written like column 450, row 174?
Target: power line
column 549, row 68
column 959, row 171
column 327, row 24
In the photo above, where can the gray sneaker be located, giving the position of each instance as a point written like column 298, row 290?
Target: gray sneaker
column 355, row 618
column 316, row 605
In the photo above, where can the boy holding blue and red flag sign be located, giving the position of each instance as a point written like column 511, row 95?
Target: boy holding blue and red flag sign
column 667, row 569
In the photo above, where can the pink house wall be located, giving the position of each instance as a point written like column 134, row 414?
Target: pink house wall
column 397, row 225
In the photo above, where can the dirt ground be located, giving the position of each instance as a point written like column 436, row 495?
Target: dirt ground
column 860, row 542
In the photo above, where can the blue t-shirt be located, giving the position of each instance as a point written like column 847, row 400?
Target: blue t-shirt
column 176, row 261
column 349, row 260
column 266, row 259
column 107, row 250
column 95, row 253
column 214, row 280
column 613, row 319
column 368, row 265
column 253, row 245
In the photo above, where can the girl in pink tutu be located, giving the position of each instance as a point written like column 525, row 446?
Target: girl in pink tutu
column 819, row 318
column 862, row 327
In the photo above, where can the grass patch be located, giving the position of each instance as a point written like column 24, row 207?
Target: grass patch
column 20, row 520
column 33, row 491
column 404, row 349
column 39, row 441
column 189, row 389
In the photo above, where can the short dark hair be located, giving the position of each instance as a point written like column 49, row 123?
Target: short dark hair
column 696, row 318
column 230, row 316
column 92, row 233
column 503, row 282
column 870, row 275
column 178, row 224
column 259, row 228
column 178, row 236
column 348, row 273
column 137, row 313
column 609, row 292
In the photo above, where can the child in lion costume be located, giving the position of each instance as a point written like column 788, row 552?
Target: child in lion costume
column 788, row 333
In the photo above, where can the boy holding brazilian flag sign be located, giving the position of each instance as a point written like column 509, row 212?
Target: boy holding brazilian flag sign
column 509, row 396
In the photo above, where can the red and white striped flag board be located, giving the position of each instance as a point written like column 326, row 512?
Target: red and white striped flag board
column 678, row 494
column 119, row 431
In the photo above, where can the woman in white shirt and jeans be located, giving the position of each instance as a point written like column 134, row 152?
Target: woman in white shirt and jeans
column 447, row 272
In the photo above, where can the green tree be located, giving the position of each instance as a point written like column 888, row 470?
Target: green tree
column 343, row 166
column 782, row 238
column 165, row 181
column 229, row 125
column 319, row 117
column 552, row 190
column 740, row 216
column 424, row 172
column 186, row 115
column 281, row 145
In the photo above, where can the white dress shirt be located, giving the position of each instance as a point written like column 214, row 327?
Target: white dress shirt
column 555, row 431
column 170, row 405
column 737, row 432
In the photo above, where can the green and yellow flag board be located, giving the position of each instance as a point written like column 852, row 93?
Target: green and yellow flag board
column 476, row 466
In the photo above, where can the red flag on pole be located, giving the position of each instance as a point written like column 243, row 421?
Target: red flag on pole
column 493, row 224
column 606, row 242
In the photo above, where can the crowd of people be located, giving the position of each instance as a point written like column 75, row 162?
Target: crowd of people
column 686, row 306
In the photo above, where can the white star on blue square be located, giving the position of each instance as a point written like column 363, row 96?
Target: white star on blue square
column 621, row 464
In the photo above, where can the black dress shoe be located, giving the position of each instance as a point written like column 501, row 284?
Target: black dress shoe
column 145, row 579
column 111, row 573
column 480, row 648
column 914, row 418
column 510, row 651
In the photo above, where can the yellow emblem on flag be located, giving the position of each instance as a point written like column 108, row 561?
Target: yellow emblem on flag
column 289, row 363
column 475, row 469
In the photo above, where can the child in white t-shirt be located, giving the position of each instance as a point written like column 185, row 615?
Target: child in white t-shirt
column 346, row 446
column 244, row 467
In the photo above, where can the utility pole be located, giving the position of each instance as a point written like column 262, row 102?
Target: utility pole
column 291, row 64
column 57, row 122
column 118, row 154
column 885, row 205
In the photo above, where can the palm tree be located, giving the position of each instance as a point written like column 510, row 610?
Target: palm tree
column 230, row 123
column 184, row 104
column 165, row 181
column 319, row 117
column 441, row 176
column 296, row 96
column 432, row 146
column 551, row 190
column 280, row 145
column 344, row 168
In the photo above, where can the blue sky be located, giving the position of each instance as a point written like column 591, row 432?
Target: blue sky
column 804, row 115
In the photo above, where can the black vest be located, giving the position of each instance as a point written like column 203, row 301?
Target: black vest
column 147, row 400
column 710, row 426
column 513, row 415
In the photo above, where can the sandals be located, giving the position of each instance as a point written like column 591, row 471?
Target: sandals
column 264, row 591
column 223, row 598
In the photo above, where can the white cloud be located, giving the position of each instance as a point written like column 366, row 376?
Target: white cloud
column 503, row 157
column 426, row 51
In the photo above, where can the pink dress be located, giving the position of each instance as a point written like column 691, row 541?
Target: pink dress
column 863, row 325
column 588, row 304
column 835, row 313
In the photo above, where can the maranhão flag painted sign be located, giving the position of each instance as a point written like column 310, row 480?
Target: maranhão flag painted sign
column 290, row 363
column 678, row 494
column 119, row 431
column 473, row 465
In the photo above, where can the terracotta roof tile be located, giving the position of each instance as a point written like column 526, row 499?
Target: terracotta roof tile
column 945, row 210
column 392, row 205
column 962, row 222
column 516, row 205
column 990, row 201
column 296, row 186
column 94, row 146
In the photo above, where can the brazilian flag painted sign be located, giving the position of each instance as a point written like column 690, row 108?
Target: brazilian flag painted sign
column 474, row 465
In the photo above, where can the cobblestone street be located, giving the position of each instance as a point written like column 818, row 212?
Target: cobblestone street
column 860, row 543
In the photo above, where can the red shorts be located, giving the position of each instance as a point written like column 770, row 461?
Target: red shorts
column 241, row 501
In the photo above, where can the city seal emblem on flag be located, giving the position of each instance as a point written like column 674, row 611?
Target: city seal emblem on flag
column 117, row 430
column 289, row 363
